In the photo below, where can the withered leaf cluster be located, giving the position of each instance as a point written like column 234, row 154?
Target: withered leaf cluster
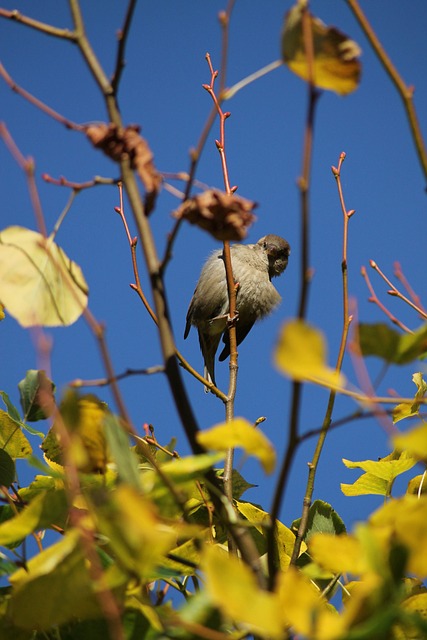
column 224, row 216
column 115, row 141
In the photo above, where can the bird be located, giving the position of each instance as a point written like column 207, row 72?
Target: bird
column 254, row 266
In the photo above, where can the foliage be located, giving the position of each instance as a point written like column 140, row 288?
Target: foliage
column 119, row 520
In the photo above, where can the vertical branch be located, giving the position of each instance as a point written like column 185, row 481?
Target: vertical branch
column 331, row 402
column 304, row 186
column 231, row 287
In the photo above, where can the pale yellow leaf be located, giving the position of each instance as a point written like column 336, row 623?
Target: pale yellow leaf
column 413, row 441
column 305, row 610
column 339, row 554
column 39, row 284
column 240, row 433
column 301, row 355
column 335, row 64
column 232, row 587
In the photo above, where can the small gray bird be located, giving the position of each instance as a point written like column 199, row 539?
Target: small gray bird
column 254, row 265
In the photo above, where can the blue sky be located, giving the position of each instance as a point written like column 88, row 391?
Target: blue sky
column 161, row 90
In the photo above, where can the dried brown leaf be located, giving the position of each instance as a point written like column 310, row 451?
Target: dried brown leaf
column 224, row 216
column 116, row 141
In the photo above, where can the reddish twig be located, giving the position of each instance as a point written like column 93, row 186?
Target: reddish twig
column 122, row 36
column 403, row 280
column 79, row 186
column 374, row 298
column 394, row 291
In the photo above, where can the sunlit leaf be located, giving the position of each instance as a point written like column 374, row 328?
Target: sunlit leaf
column 12, row 439
column 301, row 355
column 232, row 587
column 405, row 520
column 386, row 343
column 403, row 410
column 335, row 64
column 39, row 284
column 240, row 433
column 190, row 467
column 379, row 475
column 413, row 441
column 305, row 610
column 47, row 509
column 417, row 485
column 338, row 554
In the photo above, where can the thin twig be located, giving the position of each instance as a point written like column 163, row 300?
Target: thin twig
column 48, row 29
column 374, row 298
column 122, row 39
column 196, row 153
column 332, row 396
column 394, row 291
column 305, row 271
column 403, row 280
column 231, row 288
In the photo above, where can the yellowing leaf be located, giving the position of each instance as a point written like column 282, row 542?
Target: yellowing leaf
column 12, row 440
column 405, row 521
column 339, row 554
column 232, row 587
column 335, row 64
column 39, row 284
column 240, row 433
column 137, row 536
column 301, row 355
column 402, row 410
column 379, row 476
column 367, row 484
column 305, row 610
column 46, row 509
column 413, row 441
column 83, row 419
column 55, row 587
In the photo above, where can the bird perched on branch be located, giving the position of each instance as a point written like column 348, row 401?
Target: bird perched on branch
column 254, row 265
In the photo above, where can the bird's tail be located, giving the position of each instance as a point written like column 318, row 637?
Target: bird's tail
column 209, row 345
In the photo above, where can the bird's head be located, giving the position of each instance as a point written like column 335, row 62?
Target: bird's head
column 277, row 250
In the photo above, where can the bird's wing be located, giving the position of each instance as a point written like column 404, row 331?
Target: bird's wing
column 242, row 331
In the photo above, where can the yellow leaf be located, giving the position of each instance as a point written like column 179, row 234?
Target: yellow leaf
column 39, row 284
column 12, row 440
column 137, row 536
column 339, row 554
column 413, row 441
column 301, row 355
column 240, row 433
column 232, row 587
column 403, row 410
column 405, row 521
column 367, row 484
column 305, row 610
column 83, row 419
column 335, row 64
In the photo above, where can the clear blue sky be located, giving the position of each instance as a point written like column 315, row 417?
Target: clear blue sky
column 161, row 89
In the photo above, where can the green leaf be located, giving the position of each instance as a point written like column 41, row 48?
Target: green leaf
column 393, row 347
column 7, row 469
column 12, row 439
column 240, row 485
column 39, row 284
column 11, row 409
column 29, row 389
column 335, row 64
column 322, row 518
column 125, row 459
column 55, row 587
